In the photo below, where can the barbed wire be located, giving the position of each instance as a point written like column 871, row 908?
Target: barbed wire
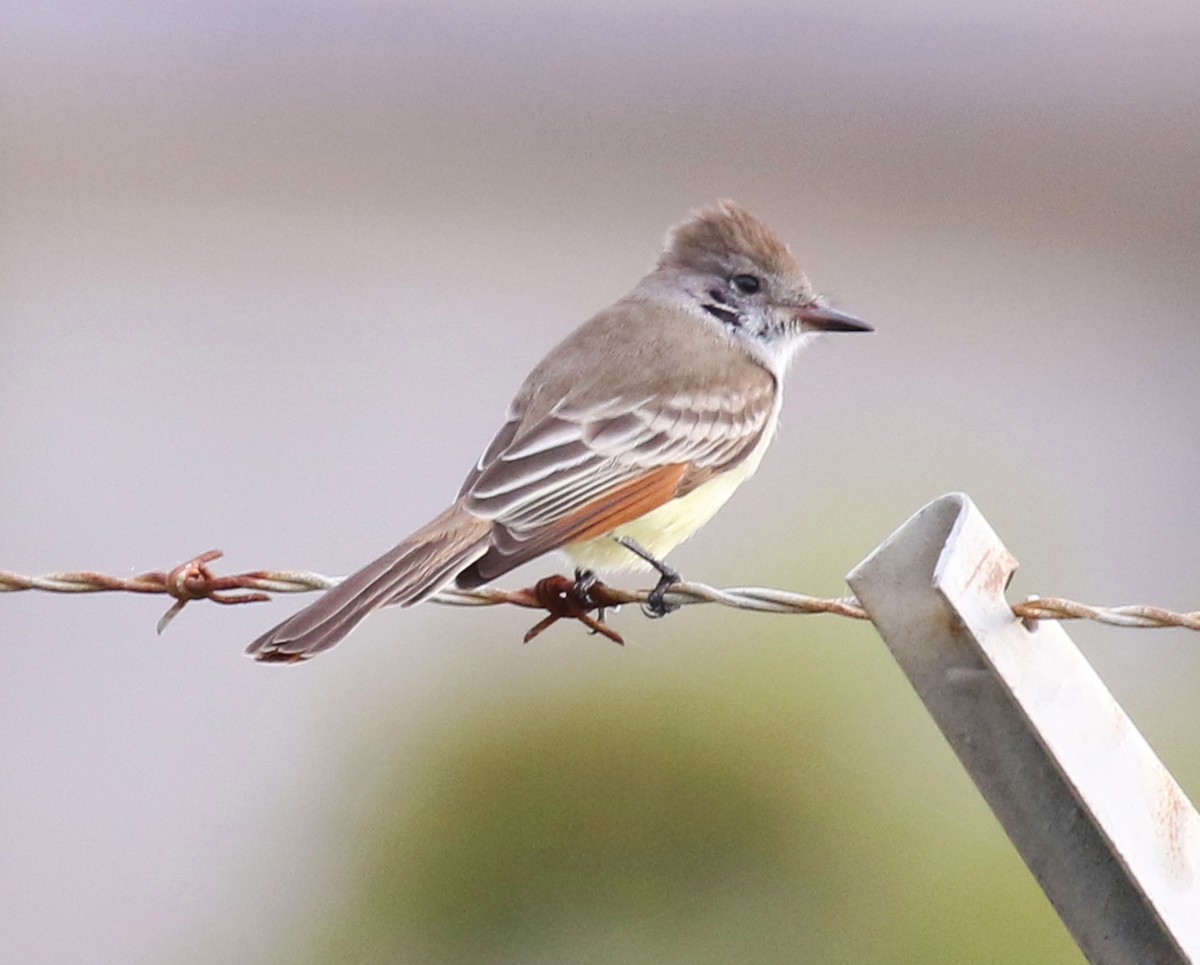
column 194, row 580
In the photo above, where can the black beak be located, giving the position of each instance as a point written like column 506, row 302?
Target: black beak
column 815, row 317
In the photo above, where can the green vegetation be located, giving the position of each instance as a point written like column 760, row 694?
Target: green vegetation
column 774, row 799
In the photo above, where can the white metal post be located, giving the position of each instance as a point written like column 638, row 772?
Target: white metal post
column 1103, row 826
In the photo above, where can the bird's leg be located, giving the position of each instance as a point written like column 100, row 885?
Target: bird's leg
column 582, row 588
column 656, row 604
column 584, row 581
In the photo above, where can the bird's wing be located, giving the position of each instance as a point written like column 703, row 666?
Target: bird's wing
column 585, row 468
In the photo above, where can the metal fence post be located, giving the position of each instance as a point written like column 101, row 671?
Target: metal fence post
column 1103, row 826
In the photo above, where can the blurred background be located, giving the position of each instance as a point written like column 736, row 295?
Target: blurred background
column 269, row 274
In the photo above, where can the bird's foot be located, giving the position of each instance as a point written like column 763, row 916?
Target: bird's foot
column 656, row 604
column 585, row 580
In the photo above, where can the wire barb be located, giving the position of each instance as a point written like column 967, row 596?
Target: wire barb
column 190, row 580
column 556, row 595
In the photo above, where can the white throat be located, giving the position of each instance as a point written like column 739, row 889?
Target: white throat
column 775, row 353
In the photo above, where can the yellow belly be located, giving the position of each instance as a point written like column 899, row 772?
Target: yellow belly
column 664, row 528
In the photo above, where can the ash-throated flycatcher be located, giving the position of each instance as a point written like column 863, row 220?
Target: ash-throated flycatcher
column 638, row 427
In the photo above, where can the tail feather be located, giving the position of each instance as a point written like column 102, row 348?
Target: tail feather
column 408, row 573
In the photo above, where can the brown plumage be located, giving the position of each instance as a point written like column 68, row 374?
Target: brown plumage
column 668, row 398
column 708, row 238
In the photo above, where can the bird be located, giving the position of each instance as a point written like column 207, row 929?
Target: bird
column 623, row 441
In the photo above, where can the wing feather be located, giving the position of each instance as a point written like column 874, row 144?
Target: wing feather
column 581, row 470
column 619, row 504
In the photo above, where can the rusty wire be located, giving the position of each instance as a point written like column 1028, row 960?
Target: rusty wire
column 194, row 580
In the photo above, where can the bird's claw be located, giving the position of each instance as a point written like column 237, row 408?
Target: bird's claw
column 656, row 604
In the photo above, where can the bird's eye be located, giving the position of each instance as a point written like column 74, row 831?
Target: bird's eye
column 746, row 284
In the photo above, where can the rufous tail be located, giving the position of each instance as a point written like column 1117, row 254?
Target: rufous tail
column 415, row 569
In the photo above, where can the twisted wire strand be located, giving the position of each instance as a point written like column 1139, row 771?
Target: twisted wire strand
column 686, row 593
column 194, row 580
